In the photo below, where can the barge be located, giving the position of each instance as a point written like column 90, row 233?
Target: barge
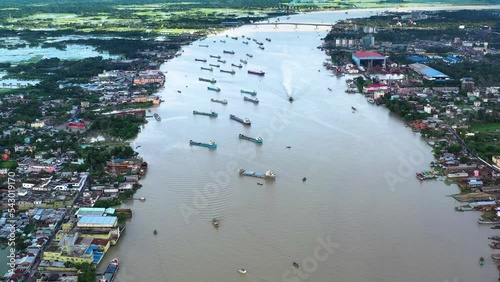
column 208, row 69
column 261, row 73
column 213, row 88
column 255, row 101
column 208, row 80
column 244, row 121
column 237, row 66
column 228, row 52
column 210, row 145
column 214, row 65
column 224, row 102
column 215, row 56
column 250, row 92
column 228, row 71
column 210, row 114
column 111, row 271
column 201, row 60
column 268, row 175
column 255, row 140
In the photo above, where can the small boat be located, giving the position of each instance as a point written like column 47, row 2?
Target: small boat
column 213, row 88
column 245, row 42
column 260, row 73
column 142, row 199
column 295, row 264
column 260, row 43
column 221, row 61
column 329, row 89
column 211, row 144
column 268, row 39
column 250, row 55
column 157, row 116
column 208, row 80
column 208, row 69
column 244, row 61
column 248, row 138
column 261, row 47
column 155, row 232
column 203, row 45
column 215, row 56
column 215, row 222
column 353, row 108
column 238, row 66
column 244, row 121
column 255, row 101
column 495, row 256
column 234, row 37
column 178, row 91
column 260, row 184
column 224, row 102
column 242, row 271
column 370, row 100
column 481, row 261
column 211, row 114
column 304, row 179
column 268, row 175
column 137, row 146
column 290, row 99
column 228, row 52
column 214, row 65
column 201, row 60
column 223, row 41
column 288, row 147
column 250, row 92
column 228, row 71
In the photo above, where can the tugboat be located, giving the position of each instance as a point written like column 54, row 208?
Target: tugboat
column 210, row 145
column 242, row 270
column 255, row 101
column 227, row 71
column 250, row 55
column 244, row 121
column 228, row 52
column 155, row 232
column 261, row 73
column 481, row 261
column 221, row 61
column 201, row 60
column 208, row 69
column 268, row 175
column 214, row 65
column 215, row 222
column 215, row 56
column 208, row 80
column 224, row 102
column 244, row 61
column 211, row 114
column 157, row 116
column 250, row 92
column 213, row 88
column 237, row 66
column 255, row 140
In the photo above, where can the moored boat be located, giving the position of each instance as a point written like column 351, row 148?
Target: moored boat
column 224, row 102
column 268, row 175
column 201, row 60
column 255, row 140
column 215, row 56
column 250, row 92
column 494, row 245
column 255, row 101
column 214, row 65
column 213, row 88
column 203, row 45
column 110, row 272
column 261, row 73
column 238, row 66
column 234, row 37
column 210, row 145
column 487, row 221
column 210, row 114
column 143, row 168
column 228, row 52
column 223, row 41
column 495, row 256
column 244, row 121
column 221, row 61
column 208, row 69
column 245, row 42
column 228, row 71
column 370, row 100
column 208, row 80
column 157, row 116
column 496, row 238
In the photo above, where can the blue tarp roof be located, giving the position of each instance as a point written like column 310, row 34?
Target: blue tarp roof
column 418, row 59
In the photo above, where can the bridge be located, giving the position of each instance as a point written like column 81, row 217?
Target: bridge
column 276, row 24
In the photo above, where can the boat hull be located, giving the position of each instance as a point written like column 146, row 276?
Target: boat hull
column 255, row 140
column 200, row 144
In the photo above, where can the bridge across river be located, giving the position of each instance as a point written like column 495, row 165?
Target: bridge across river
column 276, row 24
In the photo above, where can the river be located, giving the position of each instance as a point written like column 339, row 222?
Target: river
column 360, row 216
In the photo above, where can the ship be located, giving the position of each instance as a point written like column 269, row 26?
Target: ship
column 210, row 145
column 255, row 140
column 157, row 116
column 251, row 92
column 268, row 175
column 215, row 56
column 110, row 272
column 203, row 45
column 224, row 102
column 228, row 52
column 143, row 168
column 201, row 60
column 245, row 42
column 261, row 47
column 261, row 73
column 250, row 55
column 213, row 88
column 237, row 66
column 214, row 65
column 228, row 71
column 268, row 39
column 259, row 43
column 244, row 61
column 244, row 121
column 221, row 61
column 255, row 101
column 208, row 69
column 208, row 80
column 210, row 114
column 235, row 37
column 426, row 174
column 223, row 41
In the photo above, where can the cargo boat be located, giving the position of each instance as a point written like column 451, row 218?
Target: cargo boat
column 201, row 60
column 210, row 145
column 216, row 89
column 244, row 61
column 255, row 101
column 211, row 114
column 221, row 61
column 224, row 102
column 261, row 47
column 235, row 37
column 268, row 39
column 255, row 140
column 215, row 56
column 203, row 45
column 261, row 73
column 110, row 272
column 228, row 71
column 250, row 55
column 157, row 117
column 457, row 175
column 143, row 168
column 228, row 52
column 426, row 174
column 208, row 80
column 237, row 66
column 268, row 175
column 244, row 121
column 214, row 65
column 208, row 69
column 245, row 42
column 251, row 92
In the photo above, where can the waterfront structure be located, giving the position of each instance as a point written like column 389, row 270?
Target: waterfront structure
column 97, row 221
column 368, row 59
column 149, row 77
column 428, row 72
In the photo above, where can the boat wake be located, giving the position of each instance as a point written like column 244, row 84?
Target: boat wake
column 287, row 70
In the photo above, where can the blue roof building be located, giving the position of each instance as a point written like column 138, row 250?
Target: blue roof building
column 418, row 59
column 428, row 72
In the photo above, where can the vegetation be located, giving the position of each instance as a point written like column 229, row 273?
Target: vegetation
column 125, row 127
column 107, row 203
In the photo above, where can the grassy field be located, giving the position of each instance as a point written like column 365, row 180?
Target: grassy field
column 486, row 127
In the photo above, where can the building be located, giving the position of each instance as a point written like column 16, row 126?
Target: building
column 467, row 83
column 38, row 124
column 428, row 72
column 149, row 77
column 97, row 221
column 368, row 59
column 496, row 160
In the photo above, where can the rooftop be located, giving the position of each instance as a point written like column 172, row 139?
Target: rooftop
column 368, row 55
